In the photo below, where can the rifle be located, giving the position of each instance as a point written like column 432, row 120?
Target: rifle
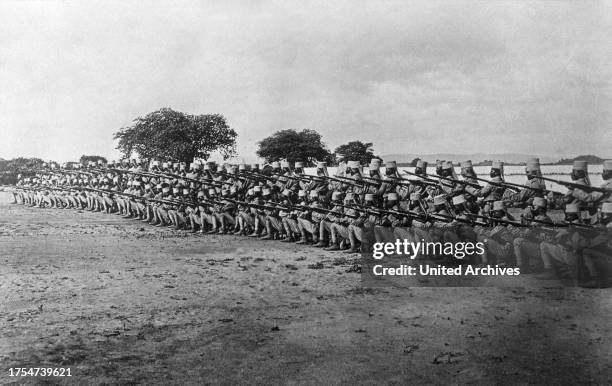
column 252, row 204
column 563, row 224
column 407, row 182
column 364, row 181
column 507, row 222
column 324, row 210
column 572, row 185
column 134, row 196
column 472, row 184
column 200, row 181
column 516, row 187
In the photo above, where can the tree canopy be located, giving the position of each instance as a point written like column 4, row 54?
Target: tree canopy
column 355, row 151
column 94, row 158
column 291, row 145
column 176, row 136
column 20, row 163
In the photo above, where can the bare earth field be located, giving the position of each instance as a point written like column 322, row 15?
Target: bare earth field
column 119, row 301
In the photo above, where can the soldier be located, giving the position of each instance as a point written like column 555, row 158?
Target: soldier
column 309, row 220
column 527, row 244
column 534, row 187
column 366, row 219
column 593, row 197
column 325, row 226
column 339, row 229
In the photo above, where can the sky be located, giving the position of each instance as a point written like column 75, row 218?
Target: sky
column 410, row 76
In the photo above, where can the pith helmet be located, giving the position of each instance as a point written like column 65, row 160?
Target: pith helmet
column 580, row 165
column 457, row 200
column 498, row 205
column 572, row 208
column 539, row 202
column 533, row 165
column 440, row 199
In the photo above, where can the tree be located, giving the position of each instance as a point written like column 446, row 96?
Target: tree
column 293, row 146
column 85, row 159
column 355, row 151
column 176, row 136
column 21, row 163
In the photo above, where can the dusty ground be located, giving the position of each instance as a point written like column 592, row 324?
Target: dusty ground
column 119, row 301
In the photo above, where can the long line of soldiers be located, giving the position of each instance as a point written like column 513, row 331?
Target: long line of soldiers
column 284, row 203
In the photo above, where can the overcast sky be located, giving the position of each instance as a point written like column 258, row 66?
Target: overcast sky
column 412, row 77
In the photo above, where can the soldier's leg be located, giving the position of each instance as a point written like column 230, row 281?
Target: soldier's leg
column 354, row 236
column 324, row 230
column 335, row 245
column 550, row 253
column 526, row 252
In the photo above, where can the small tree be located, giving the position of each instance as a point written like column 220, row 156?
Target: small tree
column 291, row 145
column 355, row 151
column 176, row 136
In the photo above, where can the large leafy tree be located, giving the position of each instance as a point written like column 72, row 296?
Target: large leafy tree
column 292, row 145
column 355, row 151
column 176, row 136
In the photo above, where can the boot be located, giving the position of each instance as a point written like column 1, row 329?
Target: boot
column 333, row 247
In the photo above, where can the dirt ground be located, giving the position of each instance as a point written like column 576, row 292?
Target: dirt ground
column 119, row 301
